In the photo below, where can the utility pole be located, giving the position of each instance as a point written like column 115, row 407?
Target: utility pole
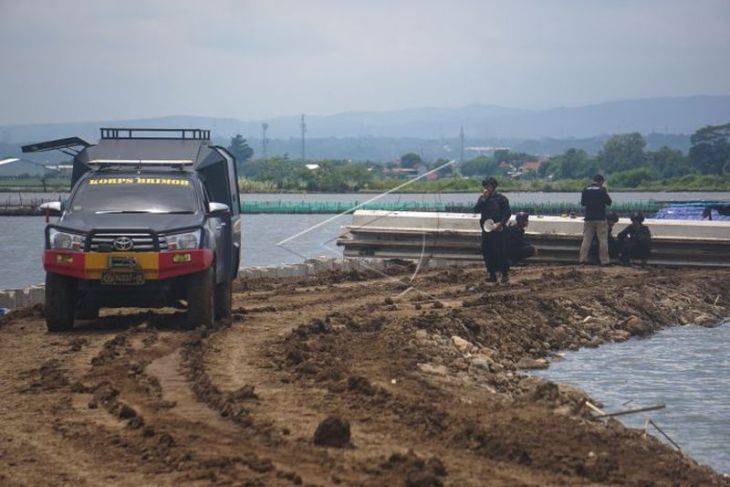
column 303, row 126
column 264, row 140
column 461, row 150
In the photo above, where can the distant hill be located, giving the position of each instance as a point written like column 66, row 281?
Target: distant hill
column 378, row 135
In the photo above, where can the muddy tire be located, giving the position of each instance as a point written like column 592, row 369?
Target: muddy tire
column 201, row 299
column 223, row 300
column 60, row 302
column 87, row 310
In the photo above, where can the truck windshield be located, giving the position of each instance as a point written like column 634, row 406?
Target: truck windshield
column 134, row 194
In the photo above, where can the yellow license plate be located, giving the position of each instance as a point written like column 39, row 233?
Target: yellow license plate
column 122, row 278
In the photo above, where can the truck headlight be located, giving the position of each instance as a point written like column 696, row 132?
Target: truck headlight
column 59, row 240
column 183, row 241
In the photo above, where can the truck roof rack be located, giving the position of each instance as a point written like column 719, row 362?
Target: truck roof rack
column 154, row 133
column 140, row 162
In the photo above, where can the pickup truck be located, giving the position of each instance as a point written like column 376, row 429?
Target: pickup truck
column 152, row 220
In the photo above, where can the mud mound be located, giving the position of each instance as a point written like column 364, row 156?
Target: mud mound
column 440, row 385
column 415, row 471
column 35, row 311
column 334, row 432
column 48, row 377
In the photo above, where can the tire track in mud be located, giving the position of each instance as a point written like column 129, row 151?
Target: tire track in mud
column 286, row 402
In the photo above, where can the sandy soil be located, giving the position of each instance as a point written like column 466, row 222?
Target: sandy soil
column 346, row 379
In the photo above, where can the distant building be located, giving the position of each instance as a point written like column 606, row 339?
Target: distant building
column 486, row 150
column 506, row 166
column 528, row 166
column 401, row 171
column 13, row 167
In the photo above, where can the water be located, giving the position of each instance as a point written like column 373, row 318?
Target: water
column 21, row 251
column 22, row 242
column 687, row 368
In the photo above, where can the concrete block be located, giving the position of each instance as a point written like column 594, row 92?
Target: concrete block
column 253, row 272
column 299, row 270
column 286, row 271
column 349, row 265
column 20, row 297
column 262, row 272
column 36, row 295
column 7, row 299
column 321, row 263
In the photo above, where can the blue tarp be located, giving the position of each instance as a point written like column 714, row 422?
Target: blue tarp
column 691, row 210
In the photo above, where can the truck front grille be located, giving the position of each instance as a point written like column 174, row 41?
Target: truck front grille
column 140, row 242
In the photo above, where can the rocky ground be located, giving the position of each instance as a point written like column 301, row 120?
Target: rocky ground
column 346, row 379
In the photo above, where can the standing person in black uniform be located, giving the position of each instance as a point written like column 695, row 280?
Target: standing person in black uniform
column 518, row 248
column 495, row 213
column 595, row 198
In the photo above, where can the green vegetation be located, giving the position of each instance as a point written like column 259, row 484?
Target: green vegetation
column 623, row 158
column 34, row 184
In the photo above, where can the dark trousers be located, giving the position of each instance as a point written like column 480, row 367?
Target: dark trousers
column 494, row 252
column 634, row 250
column 522, row 252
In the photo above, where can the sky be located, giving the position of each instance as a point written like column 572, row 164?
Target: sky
column 88, row 60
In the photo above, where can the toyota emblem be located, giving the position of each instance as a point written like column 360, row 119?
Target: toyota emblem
column 123, row 243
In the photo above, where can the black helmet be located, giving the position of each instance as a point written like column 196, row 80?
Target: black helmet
column 489, row 182
column 521, row 217
column 612, row 217
column 637, row 217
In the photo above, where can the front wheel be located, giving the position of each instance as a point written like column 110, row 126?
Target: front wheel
column 201, row 299
column 60, row 302
column 87, row 310
column 223, row 299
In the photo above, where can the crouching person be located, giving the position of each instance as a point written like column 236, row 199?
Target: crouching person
column 518, row 248
column 635, row 240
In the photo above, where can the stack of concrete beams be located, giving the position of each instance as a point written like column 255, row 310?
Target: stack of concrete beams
column 456, row 237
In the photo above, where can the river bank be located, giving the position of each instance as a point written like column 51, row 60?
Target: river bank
column 420, row 379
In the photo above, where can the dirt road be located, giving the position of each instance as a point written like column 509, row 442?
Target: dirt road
column 345, row 379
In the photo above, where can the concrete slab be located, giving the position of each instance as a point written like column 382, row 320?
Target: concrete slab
column 413, row 221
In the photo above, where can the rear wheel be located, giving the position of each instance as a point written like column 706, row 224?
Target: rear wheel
column 201, row 298
column 60, row 302
column 223, row 299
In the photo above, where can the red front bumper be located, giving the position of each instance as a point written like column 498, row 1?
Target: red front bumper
column 154, row 265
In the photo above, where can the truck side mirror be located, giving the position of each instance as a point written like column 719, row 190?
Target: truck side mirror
column 218, row 208
column 53, row 208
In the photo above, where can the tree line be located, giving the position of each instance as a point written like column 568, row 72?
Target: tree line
column 623, row 158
